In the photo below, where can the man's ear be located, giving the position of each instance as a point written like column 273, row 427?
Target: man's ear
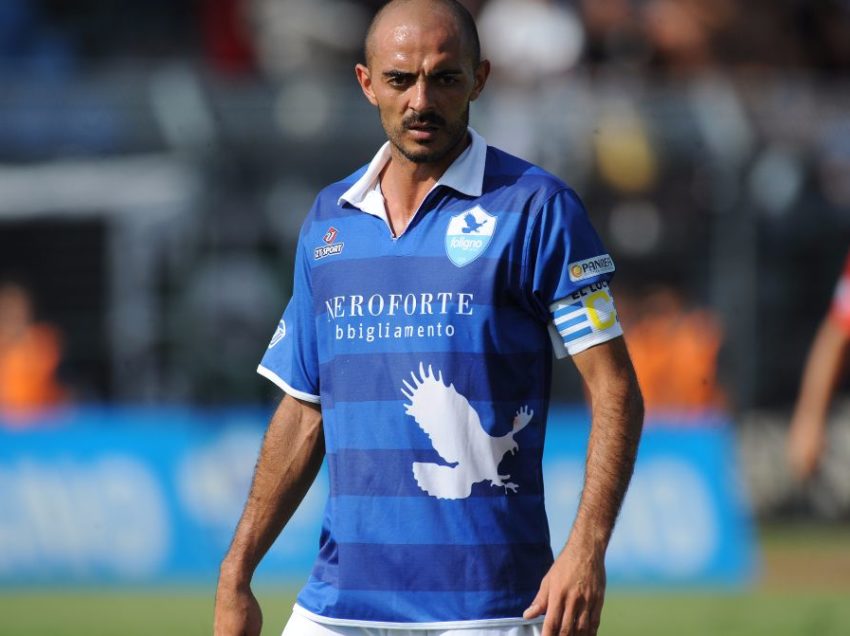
column 364, row 78
column 480, row 79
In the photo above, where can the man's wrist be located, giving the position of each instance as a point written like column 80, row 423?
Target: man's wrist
column 235, row 572
column 591, row 539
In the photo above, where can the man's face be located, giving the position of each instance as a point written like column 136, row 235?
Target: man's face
column 422, row 79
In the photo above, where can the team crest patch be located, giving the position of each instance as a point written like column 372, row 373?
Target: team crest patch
column 468, row 235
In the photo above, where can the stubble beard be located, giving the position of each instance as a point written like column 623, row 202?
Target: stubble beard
column 455, row 132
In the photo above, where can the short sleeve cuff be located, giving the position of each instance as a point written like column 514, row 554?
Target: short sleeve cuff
column 285, row 386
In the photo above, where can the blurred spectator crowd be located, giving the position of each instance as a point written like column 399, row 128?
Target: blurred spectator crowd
column 30, row 353
column 157, row 157
column 524, row 38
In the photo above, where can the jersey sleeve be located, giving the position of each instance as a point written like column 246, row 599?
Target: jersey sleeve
column 291, row 359
column 839, row 311
column 567, row 271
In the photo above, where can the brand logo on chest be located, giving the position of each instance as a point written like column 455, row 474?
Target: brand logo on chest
column 468, row 235
column 330, row 248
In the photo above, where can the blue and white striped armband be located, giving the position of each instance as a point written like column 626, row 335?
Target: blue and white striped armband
column 585, row 318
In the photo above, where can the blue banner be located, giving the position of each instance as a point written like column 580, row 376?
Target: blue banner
column 153, row 496
column 685, row 519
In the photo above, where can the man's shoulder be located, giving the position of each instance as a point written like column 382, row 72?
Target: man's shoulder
column 504, row 169
column 326, row 204
column 332, row 192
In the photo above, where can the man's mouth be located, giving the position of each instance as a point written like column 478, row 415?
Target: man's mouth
column 423, row 129
column 423, row 132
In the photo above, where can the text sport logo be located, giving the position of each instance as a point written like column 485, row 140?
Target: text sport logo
column 329, row 248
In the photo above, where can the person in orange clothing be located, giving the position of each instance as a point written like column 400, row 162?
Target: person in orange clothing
column 30, row 353
column 823, row 368
column 674, row 349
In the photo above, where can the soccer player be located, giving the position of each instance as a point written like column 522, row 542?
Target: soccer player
column 820, row 376
column 415, row 354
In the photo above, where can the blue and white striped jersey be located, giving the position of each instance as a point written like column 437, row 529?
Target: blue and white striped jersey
column 430, row 354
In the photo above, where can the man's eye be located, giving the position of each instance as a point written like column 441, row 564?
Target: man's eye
column 446, row 80
column 398, row 80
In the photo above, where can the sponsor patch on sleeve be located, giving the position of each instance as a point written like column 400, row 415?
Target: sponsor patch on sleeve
column 584, row 318
column 590, row 267
column 279, row 333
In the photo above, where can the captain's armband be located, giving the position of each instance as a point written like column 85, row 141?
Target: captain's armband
column 585, row 318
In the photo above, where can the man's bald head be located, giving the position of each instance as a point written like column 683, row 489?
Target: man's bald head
column 454, row 10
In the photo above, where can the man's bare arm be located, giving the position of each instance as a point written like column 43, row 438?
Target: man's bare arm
column 616, row 424
column 572, row 593
column 808, row 424
column 290, row 458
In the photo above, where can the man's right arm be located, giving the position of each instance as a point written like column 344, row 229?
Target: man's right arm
column 290, row 458
column 808, row 424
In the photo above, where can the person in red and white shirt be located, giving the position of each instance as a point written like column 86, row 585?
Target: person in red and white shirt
column 820, row 376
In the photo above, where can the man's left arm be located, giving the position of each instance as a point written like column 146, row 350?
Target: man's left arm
column 572, row 592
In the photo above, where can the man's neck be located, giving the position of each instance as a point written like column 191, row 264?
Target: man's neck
column 405, row 183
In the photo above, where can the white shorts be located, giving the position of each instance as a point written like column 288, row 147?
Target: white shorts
column 299, row 625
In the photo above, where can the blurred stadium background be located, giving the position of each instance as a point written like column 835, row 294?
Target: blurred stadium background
column 156, row 161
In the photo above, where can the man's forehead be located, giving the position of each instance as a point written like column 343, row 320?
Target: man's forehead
column 411, row 43
column 411, row 29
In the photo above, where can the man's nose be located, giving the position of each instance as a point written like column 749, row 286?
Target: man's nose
column 421, row 100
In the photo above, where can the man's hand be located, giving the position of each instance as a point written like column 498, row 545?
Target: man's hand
column 572, row 592
column 237, row 612
column 290, row 457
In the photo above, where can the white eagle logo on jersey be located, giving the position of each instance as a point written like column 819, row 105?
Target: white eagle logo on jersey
column 468, row 235
column 457, row 435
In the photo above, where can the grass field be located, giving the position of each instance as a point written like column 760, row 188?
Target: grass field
column 180, row 612
column 804, row 590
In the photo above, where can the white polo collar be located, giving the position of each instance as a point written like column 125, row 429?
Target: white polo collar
column 465, row 175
